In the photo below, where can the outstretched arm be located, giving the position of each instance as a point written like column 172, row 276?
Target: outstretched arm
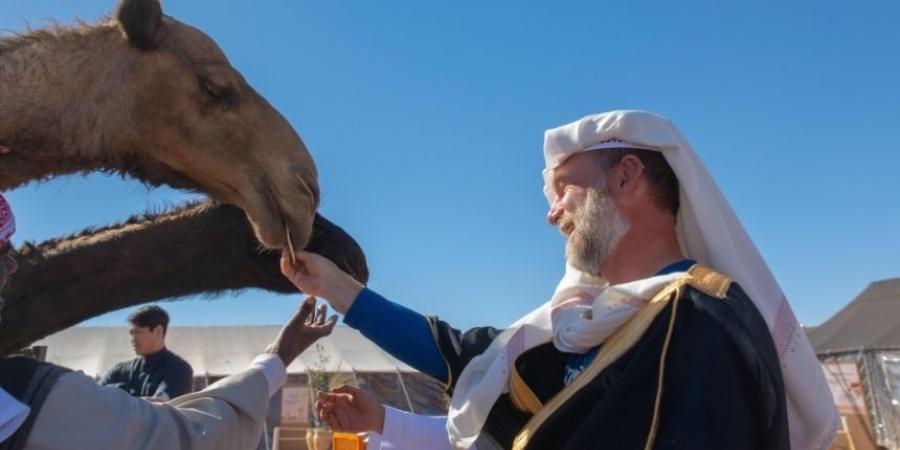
column 425, row 343
column 227, row 415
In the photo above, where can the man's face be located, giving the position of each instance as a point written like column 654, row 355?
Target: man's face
column 8, row 266
column 144, row 340
column 585, row 212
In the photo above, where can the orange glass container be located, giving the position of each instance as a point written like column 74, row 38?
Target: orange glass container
column 347, row 441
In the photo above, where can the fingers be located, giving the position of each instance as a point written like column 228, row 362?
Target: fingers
column 295, row 269
column 287, row 267
column 325, row 329
column 323, row 396
column 306, row 310
column 324, row 407
column 332, row 321
column 317, row 321
column 321, row 314
column 332, row 408
column 344, row 389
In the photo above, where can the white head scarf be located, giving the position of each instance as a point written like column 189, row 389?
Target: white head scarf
column 710, row 233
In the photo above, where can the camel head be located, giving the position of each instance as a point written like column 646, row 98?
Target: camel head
column 190, row 120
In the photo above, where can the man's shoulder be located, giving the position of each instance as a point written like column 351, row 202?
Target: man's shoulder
column 716, row 315
column 128, row 364
column 714, row 301
column 179, row 362
column 714, row 293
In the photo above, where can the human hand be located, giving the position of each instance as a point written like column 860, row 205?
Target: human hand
column 317, row 276
column 350, row 410
column 305, row 328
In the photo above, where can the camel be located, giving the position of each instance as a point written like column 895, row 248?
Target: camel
column 64, row 281
column 149, row 97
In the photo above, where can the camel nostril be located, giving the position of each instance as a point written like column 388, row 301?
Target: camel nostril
column 317, row 198
column 312, row 189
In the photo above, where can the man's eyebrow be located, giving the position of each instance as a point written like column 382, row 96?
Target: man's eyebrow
column 562, row 180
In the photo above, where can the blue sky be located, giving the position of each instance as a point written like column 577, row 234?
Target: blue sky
column 426, row 121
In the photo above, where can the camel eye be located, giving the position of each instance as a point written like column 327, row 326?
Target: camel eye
column 219, row 94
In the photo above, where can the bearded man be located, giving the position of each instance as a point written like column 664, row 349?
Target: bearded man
column 668, row 331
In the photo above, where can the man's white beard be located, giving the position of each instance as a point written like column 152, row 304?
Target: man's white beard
column 598, row 227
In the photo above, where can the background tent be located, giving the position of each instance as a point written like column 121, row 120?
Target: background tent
column 860, row 351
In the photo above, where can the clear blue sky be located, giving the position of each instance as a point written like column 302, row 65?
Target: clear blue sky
column 426, row 120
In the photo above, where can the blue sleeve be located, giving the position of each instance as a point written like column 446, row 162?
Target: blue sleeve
column 400, row 331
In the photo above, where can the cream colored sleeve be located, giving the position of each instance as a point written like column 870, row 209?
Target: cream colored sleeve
column 407, row 431
column 230, row 414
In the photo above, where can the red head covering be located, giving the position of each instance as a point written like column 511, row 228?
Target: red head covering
column 7, row 221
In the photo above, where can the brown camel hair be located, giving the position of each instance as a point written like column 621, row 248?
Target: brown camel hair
column 146, row 96
column 204, row 248
column 150, row 97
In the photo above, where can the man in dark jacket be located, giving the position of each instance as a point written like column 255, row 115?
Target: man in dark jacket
column 156, row 373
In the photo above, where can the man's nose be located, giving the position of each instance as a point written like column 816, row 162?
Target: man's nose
column 555, row 213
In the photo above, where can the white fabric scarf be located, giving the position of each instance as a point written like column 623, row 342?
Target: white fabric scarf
column 561, row 320
column 709, row 232
column 583, row 315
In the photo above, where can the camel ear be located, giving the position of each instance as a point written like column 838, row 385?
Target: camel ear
column 141, row 21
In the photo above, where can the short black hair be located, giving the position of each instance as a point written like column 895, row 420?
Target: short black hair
column 150, row 317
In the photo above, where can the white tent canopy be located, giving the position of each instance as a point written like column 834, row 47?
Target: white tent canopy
column 218, row 351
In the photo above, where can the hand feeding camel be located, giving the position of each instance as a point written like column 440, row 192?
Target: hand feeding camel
column 147, row 96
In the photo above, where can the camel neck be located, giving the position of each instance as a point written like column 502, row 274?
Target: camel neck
column 52, row 88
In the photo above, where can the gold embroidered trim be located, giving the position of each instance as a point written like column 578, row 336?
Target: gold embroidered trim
column 709, row 282
column 521, row 396
column 616, row 346
column 654, row 425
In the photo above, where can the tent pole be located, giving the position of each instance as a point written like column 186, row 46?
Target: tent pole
column 405, row 393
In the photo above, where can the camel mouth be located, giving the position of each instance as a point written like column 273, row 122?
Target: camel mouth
column 271, row 210
column 280, row 221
